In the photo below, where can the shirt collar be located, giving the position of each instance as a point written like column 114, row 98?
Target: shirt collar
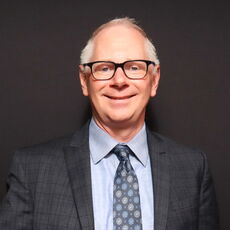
column 101, row 143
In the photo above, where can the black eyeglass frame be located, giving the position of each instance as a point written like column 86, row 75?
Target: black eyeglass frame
column 90, row 64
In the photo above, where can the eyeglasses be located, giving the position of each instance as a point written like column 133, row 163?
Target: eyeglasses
column 105, row 70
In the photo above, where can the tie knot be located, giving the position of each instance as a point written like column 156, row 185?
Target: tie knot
column 122, row 152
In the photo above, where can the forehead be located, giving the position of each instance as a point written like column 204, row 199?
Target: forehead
column 119, row 43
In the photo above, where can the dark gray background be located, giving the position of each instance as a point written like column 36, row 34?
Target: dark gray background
column 40, row 96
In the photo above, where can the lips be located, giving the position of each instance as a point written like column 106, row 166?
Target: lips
column 119, row 97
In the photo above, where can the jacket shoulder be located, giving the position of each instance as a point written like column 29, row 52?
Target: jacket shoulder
column 48, row 148
column 174, row 149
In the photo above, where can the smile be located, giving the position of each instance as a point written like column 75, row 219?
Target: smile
column 119, row 97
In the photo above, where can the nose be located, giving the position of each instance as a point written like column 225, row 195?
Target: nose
column 119, row 79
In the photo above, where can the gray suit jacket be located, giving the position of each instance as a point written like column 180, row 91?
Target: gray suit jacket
column 50, row 187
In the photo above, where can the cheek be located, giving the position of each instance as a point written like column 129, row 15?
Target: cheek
column 93, row 87
column 146, row 89
column 95, row 90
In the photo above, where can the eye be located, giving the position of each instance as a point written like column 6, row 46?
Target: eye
column 103, row 68
column 134, row 68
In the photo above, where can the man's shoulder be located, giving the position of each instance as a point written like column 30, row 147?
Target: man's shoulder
column 179, row 156
column 53, row 148
column 47, row 149
column 172, row 147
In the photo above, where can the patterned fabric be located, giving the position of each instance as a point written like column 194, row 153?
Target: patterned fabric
column 126, row 199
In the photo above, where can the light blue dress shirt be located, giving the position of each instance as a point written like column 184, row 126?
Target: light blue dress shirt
column 103, row 168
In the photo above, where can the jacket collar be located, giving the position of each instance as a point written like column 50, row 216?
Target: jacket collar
column 161, row 178
column 77, row 159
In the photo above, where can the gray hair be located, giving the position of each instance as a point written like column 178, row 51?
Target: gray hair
column 87, row 51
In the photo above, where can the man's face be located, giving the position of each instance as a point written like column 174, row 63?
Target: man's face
column 120, row 101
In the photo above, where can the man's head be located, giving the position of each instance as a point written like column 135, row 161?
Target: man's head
column 87, row 51
column 119, row 99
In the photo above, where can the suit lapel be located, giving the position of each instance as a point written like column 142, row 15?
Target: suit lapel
column 77, row 158
column 161, row 180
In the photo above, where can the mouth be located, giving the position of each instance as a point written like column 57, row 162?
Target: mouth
column 119, row 97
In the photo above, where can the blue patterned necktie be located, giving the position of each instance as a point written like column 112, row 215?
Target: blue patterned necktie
column 126, row 198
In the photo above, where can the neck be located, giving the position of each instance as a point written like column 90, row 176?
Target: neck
column 120, row 131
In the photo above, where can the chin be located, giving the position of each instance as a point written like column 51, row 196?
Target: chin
column 120, row 119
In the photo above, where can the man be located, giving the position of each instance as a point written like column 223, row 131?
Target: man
column 114, row 173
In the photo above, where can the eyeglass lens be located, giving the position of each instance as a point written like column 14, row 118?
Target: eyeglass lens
column 132, row 69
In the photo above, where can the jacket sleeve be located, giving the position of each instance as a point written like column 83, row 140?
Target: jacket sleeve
column 16, row 210
column 208, row 213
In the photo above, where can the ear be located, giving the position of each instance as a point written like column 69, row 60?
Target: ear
column 155, row 80
column 83, row 80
